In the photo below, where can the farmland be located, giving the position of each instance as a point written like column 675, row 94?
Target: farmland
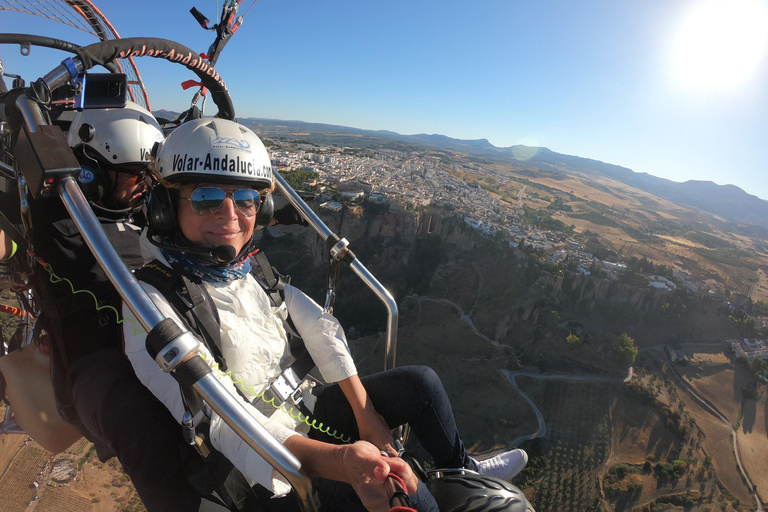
column 73, row 481
column 15, row 489
column 731, row 388
column 645, row 446
column 565, row 465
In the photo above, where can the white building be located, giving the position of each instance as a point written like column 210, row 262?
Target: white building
column 616, row 267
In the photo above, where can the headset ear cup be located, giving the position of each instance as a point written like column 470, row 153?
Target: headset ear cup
column 161, row 214
column 266, row 213
column 93, row 183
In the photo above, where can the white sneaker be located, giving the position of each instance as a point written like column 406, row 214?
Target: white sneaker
column 503, row 466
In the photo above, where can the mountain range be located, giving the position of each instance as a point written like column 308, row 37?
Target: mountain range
column 728, row 202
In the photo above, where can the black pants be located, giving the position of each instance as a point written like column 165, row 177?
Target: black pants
column 126, row 420
column 410, row 394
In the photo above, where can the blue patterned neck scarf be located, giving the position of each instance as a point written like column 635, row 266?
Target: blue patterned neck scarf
column 183, row 263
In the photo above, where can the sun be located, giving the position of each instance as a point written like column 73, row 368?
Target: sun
column 720, row 44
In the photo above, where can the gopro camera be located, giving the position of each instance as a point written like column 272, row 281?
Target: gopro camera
column 102, row 90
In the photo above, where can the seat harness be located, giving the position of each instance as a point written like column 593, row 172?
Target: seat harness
column 194, row 305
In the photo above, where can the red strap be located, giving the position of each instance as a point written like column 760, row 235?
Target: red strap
column 399, row 487
column 190, row 83
column 397, row 479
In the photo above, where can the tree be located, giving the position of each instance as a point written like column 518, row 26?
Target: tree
column 623, row 347
column 372, row 208
column 551, row 320
column 572, row 340
column 297, row 177
column 595, row 270
column 635, row 279
column 748, row 326
column 758, row 366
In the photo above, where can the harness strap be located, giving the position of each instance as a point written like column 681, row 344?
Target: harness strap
column 13, row 233
column 287, row 385
column 193, row 303
column 195, row 308
column 191, row 300
column 274, row 280
column 207, row 317
column 273, row 283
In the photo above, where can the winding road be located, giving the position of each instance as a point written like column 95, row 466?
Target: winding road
column 512, row 375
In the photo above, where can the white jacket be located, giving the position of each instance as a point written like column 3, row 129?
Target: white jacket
column 254, row 344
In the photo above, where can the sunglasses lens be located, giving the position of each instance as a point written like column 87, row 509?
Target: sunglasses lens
column 247, row 201
column 206, row 200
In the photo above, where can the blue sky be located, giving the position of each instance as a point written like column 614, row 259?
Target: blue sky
column 613, row 81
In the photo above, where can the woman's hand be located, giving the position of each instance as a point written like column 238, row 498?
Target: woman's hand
column 367, row 471
column 375, row 430
column 370, row 423
column 360, row 464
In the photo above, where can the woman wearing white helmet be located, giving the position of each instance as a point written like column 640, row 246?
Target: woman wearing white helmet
column 216, row 178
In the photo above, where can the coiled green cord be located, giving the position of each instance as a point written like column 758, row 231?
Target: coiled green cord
column 55, row 279
column 292, row 412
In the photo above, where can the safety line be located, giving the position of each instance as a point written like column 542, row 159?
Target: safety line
column 55, row 279
column 303, row 418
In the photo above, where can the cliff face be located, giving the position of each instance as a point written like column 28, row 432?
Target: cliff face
column 434, row 252
column 590, row 291
column 599, row 300
column 397, row 230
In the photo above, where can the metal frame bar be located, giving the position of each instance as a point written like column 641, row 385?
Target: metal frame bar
column 217, row 397
column 357, row 267
column 209, row 388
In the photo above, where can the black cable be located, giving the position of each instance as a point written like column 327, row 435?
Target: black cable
column 57, row 44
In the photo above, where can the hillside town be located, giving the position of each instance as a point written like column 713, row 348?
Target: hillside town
column 408, row 180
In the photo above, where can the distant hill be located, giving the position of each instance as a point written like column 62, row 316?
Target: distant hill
column 726, row 201
column 729, row 202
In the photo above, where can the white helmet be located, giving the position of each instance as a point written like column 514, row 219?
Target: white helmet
column 119, row 136
column 214, row 150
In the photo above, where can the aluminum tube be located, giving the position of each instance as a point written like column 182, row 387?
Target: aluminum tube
column 210, row 389
column 257, row 437
column 357, row 267
column 7, row 171
column 31, row 113
column 127, row 285
column 60, row 75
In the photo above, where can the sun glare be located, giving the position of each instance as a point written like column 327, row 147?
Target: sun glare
column 525, row 149
column 720, row 44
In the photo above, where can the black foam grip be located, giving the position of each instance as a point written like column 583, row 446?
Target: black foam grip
column 349, row 257
column 161, row 335
column 107, row 51
column 191, row 371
